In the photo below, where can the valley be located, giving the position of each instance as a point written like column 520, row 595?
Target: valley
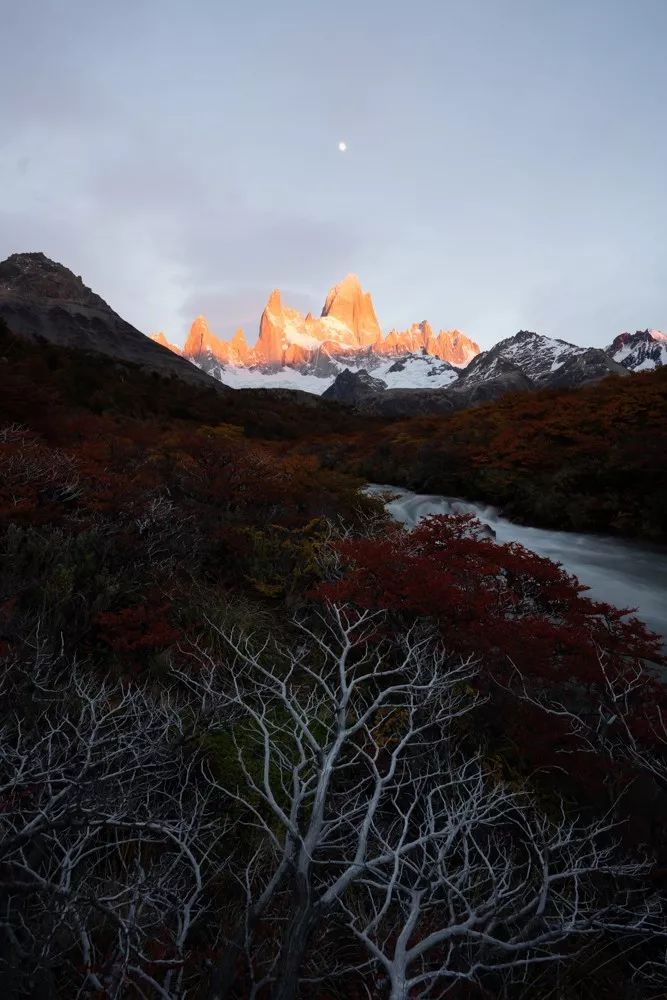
column 333, row 500
column 233, row 663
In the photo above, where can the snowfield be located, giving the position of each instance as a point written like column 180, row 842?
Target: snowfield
column 408, row 372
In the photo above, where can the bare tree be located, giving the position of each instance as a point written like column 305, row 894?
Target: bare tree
column 487, row 885
column 320, row 734
column 105, row 835
column 347, row 785
column 28, row 466
column 353, row 785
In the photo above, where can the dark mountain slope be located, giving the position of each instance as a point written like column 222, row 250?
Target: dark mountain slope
column 41, row 300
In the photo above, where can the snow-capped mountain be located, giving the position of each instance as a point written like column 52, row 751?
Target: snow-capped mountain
column 640, row 351
column 542, row 360
column 317, row 355
column 517, row 364
column 341, row 355
column 306, row 352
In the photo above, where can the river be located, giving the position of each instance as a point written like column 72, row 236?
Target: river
column 623, row 573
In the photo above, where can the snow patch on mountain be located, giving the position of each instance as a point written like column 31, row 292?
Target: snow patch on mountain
column 642, row 351
column 411, row 371
column 537, row 356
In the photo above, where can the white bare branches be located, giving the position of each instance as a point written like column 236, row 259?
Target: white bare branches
column 487, row 885
column 603, row 719
column 343, row 781
column 105, row 835
column 352, row 771
column 326, row 735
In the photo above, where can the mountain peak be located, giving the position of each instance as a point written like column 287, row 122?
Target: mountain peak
column 200, row 339
column 42, row 300
column 353, row 308
column 640, row 351
column 37, row 275
column 347, row 325
column 161, row 338
column 275, row 302
column 353, row 387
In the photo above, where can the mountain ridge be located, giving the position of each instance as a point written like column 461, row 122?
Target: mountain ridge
column 341, row 355
column 302, row 352
column 347, row 325
column 41, row 299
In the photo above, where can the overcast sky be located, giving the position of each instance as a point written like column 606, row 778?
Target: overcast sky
column 506, row 164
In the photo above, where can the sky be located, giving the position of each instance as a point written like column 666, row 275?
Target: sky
column 506, row 164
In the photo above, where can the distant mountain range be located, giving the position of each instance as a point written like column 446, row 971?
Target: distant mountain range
column 341, row 355
column 344, row 355
column 348, row 325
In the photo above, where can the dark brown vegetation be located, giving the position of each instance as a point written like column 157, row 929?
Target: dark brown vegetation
column 590, row 459
column 156, row 543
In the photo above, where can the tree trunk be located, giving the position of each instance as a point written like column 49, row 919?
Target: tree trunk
column 399, row 990
column 223, row 976
column 295, row 942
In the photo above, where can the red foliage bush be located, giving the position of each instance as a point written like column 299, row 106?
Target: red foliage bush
column 499, row 601
column 143, row 627
column 515, row 611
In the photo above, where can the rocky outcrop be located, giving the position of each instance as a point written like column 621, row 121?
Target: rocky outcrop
column 448, row 345
column 544, row 361
column 521, row 363
column 200, row 341
column 271, row 326
column 454, row 347
column 354, row 388
column 361, row 392
column 43, row 300
column 589, row 365
column 238, row 348
column 491, row 381
column 204, row 346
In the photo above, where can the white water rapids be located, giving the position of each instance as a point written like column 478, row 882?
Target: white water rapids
column 623, row 573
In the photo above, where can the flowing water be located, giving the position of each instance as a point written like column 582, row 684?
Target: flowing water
column 623, row 573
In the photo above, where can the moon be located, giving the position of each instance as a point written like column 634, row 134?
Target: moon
column 342, row 146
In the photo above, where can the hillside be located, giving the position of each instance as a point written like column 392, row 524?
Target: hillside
column 44, row 302
column 586, row 459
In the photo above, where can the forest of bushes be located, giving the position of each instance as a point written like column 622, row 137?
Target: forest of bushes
column 588, row 459
column 259, row 742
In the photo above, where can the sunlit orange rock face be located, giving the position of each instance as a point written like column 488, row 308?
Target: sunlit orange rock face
column 448, row 345
column 348, row 324
column 453, row 346
column 352, row 307
column 161, row 339
column 201, row 341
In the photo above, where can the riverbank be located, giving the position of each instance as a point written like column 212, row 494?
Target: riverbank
column 627, row 574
